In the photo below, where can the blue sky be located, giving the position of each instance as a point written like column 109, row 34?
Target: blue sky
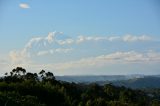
column 71, row 37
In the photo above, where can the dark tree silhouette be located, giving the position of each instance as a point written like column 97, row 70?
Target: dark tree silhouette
column 18, row 71
column 42, row 73
column 49, row 75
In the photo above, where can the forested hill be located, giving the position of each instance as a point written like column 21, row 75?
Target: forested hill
column 140, row 83
column 130, row 81
column 21, row 88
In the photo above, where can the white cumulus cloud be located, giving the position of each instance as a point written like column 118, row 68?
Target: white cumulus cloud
column 52, row 51
column 24, row 5
column 126, row 38
column 66, row 41
column 18, row 56
column 130, row 38
column 113, row 58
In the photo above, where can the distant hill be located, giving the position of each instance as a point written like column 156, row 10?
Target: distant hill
column 131, row 81
column 89, row 79
column 145, row 82
column 96, row 78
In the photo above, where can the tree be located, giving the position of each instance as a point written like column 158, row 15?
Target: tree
column 6, row 74
column 11, row 73
column 49, row 75
column 18, row 71
column 31, row 76
column 42, row 73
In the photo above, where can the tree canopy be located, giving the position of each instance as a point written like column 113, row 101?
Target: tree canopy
column 21, row 88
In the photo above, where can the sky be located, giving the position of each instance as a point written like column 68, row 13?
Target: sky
column 80, row 37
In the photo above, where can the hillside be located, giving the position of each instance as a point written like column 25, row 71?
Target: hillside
column 130, row 81
column 139, row 83
column 96, row 78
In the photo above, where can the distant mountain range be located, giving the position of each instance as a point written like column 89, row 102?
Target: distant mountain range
column 131, row 81
column 136, row 83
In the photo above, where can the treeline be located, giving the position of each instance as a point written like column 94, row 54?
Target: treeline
column 21, row 88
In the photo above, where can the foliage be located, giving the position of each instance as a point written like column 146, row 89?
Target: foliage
column 22, row 88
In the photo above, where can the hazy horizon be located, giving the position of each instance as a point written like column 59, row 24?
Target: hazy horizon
column 85, row 37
